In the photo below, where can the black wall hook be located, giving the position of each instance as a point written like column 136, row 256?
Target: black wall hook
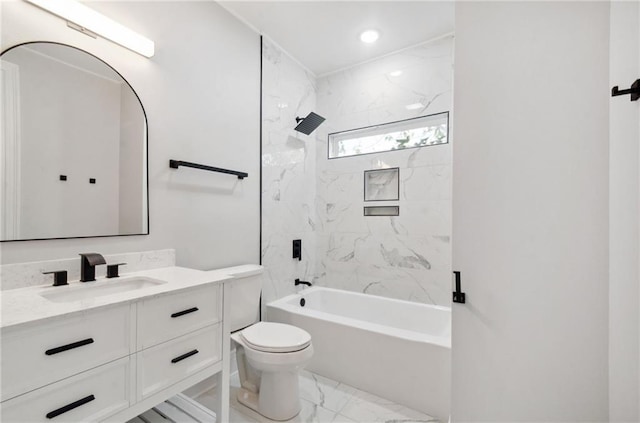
column 634, row 91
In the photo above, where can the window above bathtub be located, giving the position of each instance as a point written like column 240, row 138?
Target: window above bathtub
column 410, row 133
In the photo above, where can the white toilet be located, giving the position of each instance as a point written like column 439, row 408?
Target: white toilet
column 269, row 354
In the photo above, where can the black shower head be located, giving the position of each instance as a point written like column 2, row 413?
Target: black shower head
column 309, row 124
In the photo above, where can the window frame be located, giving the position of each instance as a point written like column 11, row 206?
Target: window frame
column 383, row 124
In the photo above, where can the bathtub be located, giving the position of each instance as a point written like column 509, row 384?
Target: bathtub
column 395, row 349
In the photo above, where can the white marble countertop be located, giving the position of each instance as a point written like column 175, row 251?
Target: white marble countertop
column 27, row 305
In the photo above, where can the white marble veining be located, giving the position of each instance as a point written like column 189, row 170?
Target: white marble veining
column 324, row 400
column 306, row 196
column 26, row 305
column 21, row 275
column 408, row 256
column 288, row 174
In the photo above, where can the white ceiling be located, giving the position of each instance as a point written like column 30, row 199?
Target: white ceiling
column 325, row 35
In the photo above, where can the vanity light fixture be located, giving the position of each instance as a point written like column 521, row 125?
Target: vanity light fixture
column 94, row 22
column 369, row 36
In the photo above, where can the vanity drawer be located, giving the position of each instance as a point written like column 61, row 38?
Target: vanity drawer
column 169, row 316
column 90, row 396
column 40, row 354
column 172, row 361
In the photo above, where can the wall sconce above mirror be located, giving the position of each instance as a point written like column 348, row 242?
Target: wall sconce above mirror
column 74, row 147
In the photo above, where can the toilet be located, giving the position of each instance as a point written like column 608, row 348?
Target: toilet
column 269, row 355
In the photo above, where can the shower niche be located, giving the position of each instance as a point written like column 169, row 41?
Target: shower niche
column 382, row 184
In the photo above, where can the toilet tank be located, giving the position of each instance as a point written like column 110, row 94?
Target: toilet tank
column 242, row 295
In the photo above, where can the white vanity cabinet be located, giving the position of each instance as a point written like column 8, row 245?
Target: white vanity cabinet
column 169, row 316
column 89, row 396
column 113, row 362
column 178, row 335
column 161, row 365
column 42, row 353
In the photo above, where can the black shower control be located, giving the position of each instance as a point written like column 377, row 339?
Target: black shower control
column 458, row 295
column 63, row 177
column 92, row 180
column 297, row 249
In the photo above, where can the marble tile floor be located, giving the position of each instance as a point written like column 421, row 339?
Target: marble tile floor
column 326, row 401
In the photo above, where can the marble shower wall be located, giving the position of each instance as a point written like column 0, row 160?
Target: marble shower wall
column 288, row 173
column 408, row 256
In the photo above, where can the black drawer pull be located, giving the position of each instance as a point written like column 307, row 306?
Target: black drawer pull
column 57, row 350
column 69, row 407
column 183, row 356
column 183, row 312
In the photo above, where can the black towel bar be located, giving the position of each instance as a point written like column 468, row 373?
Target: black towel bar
column 174, row 164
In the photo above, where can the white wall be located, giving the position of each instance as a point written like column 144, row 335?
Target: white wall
column 53, row 93
column 530, row 211
column 201, row 95
column 289, row 177
column 409, row 256
column 624, row 186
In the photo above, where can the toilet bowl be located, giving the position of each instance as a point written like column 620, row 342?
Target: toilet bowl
column 269, row 357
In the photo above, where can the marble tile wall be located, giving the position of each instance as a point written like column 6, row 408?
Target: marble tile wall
column 22, row 275
column 288, row 173
column 409, row 256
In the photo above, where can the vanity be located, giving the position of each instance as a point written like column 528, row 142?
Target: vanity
column 112, row 349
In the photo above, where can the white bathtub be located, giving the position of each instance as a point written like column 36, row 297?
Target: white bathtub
column 395, row 349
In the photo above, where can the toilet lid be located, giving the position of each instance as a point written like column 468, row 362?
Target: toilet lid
column 275, row 337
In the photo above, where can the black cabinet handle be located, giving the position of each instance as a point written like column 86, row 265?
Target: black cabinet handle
column 69, row 407
column 183, row 356
column 57, row 350
column 183, row 312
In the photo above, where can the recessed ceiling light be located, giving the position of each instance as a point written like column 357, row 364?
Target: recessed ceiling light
column 414, row 106
column 369, row 36
column 395, row 73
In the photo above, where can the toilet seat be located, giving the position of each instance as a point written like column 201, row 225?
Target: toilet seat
column 275, row 337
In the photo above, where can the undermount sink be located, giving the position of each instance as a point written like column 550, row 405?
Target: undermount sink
column 99, row 288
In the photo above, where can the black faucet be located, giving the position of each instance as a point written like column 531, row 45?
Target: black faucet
column 88, row 263
column 299, row 282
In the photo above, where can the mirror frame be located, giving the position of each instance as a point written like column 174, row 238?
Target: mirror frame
column 146, row 122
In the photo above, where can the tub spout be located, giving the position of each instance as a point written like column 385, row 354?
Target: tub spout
column 299, row 282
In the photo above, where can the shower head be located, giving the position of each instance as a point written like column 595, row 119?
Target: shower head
column 309, row 124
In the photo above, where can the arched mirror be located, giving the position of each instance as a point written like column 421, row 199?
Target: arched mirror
column 74, row 147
